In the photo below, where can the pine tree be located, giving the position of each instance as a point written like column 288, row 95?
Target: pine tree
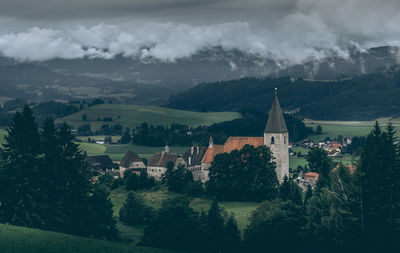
column 21, row 192
column 232, row 236
column 379, row 175
column 289, row 190
column 308, row 195
column 215, row 224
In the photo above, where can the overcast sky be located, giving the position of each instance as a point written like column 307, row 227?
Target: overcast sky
column 292, row 30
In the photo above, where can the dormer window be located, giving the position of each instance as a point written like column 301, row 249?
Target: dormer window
column 272, row 140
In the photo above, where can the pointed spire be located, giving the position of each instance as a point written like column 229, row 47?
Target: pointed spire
column 211, row 142
column 166, row 148
column 276, row 122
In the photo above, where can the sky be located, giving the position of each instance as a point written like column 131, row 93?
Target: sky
column 290, row 30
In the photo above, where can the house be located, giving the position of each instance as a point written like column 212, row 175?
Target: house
column 157, row 164
column 101, row 163
column 131, row 161
column 192, row 159
column 276, row 137
column 311, row 177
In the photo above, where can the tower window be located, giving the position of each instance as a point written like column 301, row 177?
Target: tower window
column 284, row 139
column 272, row 140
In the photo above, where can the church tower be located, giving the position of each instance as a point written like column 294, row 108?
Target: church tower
column 276, row 137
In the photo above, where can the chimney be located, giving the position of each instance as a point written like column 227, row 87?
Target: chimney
column 191, row 150
column 190, row 160
column 198, row 150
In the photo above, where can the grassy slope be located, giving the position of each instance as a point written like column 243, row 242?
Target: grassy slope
column 241, row 210
column 133, row 115
column 20, row 239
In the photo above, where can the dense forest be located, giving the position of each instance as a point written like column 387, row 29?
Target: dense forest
column 376, row 96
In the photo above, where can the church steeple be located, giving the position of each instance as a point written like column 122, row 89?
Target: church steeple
column 276, row 122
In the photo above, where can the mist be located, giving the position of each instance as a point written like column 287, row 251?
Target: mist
column 290, row 31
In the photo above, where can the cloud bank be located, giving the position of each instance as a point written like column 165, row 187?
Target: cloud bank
column 288, row 30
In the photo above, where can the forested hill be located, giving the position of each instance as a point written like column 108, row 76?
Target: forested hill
column 361, row 98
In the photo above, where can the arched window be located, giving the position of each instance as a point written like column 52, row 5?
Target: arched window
column 284, row 139
column 272, row 140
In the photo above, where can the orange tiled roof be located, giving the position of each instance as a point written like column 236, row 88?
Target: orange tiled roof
column 311, row 175
column 212, row 152
column 239, row 142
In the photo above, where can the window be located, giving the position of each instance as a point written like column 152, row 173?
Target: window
column 284, row 139
column 272, row 140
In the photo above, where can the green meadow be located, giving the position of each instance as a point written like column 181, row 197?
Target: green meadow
column 15, row 239
column 117, row 151
column 134, row 115
column 347, row 128
column 241, row 210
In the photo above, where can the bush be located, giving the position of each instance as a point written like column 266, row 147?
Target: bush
column 194, row 189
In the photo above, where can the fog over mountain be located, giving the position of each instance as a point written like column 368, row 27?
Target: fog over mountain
column 287, row 31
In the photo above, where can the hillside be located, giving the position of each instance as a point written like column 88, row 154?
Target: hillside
column 21, row 240
column 361, row 98
column 133, row 115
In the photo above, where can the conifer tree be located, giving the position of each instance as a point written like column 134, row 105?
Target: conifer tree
column 232, row 236
column 21, row 192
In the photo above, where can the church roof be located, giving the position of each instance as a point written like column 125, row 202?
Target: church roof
column 276, row 122
column 239, row 142
column 211, row 152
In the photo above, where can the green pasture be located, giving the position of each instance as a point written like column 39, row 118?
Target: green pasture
column 241, row 210
column 3, row 133
column 347, row 128
column 134, row 115
column 117, row 151
column 24, row 240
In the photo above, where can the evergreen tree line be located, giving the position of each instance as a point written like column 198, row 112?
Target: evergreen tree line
column 311, row 99
column 251, row 124
column 45, row 181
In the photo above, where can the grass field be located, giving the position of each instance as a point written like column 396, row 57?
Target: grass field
column 21, row 240
column 241, row 210
column 347, row 128
column 117, row 151
column 133, row 115
column 3, row 133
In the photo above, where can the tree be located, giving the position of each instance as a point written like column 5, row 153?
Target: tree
column 135, row 211
column 126, row 138
column 318, row 130
column 319, row 162
column 20, row 186
column 271, row 224
column 100, row 222
column 289, row 190
column 178, row 179
column 215, row 228
column 176, row 226
column 247, row 174
column 232, row 237
column 379, row 186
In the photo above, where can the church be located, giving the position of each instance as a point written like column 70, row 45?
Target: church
column 276, row 137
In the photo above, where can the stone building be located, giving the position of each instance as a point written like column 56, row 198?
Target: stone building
column 276, row 137
column 192, row 159
column 131, row 161
column 157, row 164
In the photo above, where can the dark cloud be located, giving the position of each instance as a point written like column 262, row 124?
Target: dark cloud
column 291, row 30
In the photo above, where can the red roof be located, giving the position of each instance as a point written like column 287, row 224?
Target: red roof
column 212, row 152
column 231, row 144
column 311, row 175
column 239, row 142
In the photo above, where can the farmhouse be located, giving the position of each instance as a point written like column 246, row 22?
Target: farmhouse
column 157, row 165
column 131, row 161
column 101, row 163
column 276, row 137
